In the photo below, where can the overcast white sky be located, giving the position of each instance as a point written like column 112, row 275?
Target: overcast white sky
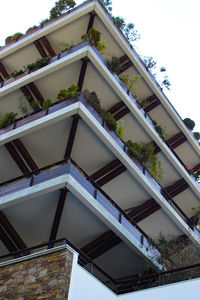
column 169, row 32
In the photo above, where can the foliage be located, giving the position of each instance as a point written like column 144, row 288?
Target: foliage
column 38, row 63
column 145, row 155
column 189, row 123
column 196, row 215
column 71, row 92
column 46, row 103
column 150, row 62
column 107, row 4
column 197, row 135
column 60, row 7
column 44, row 22
column 23, row 105
column 66, row 46
column 35, row 104
column 8, row 119
column 120, row 132
column 13, row 37
column 162, row 133
column 109, row 119
column 94, row 36
column 31, row 28
column 193, row 173
column 114, row 64
column 128, row 29
column 166, row 82
column 93, row 100
column 130, row 82
column 17, row 73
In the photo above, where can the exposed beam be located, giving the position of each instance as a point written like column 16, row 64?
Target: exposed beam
column 72, row 136
column 106, row 169
column 48, row 46
column 115, row 108
column 91, row 20
column 17, row 158
column 40, row 48
column 119, row 170
column 58, row 214
column 122, row 113
column 25, row 154
column 35, row 91
column 3, row 71
column 82, row 73
column 7, row 241
column 152, row 106
column 125, row 67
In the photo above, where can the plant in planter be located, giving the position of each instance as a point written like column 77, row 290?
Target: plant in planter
column 8, row 119
column 109, row 119
column 31, row 28
column 93, row 100
column 60, row 7
column 120, row 132
column 44, row 22
column 162, row 133
column 94, row 36
column 189, row 123
column 114, row 64
column 67, row 46
column 71, row 92
column 197, row 135
column 46, row 103
column 17, row 73
column 13, row 37
column 145, row 155
column 38, row 63
column 131, row 82
column 193, row 173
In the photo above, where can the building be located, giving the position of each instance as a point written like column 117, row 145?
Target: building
column 66, row 175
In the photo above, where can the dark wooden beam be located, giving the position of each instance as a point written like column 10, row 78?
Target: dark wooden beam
column 29, row 97
column 152, row 106
column 122, row 113
column 3, row 71
column 125, row 67
column 119, row 170
column 35, row 91
column 91, row 20
column 40, row 48
column 115, row 108
column 7, row 241
column 48, row 46
column 11, row 232
column 82, row 73
column 72, row 136
column 106, row 169
column 17, row 158
column 58, row 214
column 123, row 58
column 25, row 154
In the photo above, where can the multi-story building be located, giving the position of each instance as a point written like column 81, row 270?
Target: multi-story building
column 66, row 174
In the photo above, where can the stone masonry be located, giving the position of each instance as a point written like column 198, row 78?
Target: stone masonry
column 43, row 277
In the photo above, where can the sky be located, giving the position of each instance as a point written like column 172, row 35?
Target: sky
column 169, row 33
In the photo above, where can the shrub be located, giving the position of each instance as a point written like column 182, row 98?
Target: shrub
column 120, row 129
column 38, row 63
column 60, row 7
column 93, row 100
column 162, row 133
column 94, row 36
column 8, row 119
column 44, row 22
column 189, row 123
column 130, row 82
column 197, row 135
column 13, row 37
column 46, row 103
column 109, row 119
column 69, row 93
column 114, row 64
column 16, row 73
column 31, row 28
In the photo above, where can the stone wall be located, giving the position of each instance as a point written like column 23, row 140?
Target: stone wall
column 43, row 277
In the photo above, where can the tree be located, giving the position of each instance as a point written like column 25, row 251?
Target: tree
column 60, row 7
column 150, row 62
column 128, row 29
column 107, row 4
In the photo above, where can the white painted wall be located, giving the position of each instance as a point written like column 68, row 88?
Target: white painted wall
column 87, row 287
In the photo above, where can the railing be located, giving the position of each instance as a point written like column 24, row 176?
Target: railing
column 68, row 166
column 136, row 283
column 122, row 145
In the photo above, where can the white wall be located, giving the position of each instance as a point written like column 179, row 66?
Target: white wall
column 86, row 287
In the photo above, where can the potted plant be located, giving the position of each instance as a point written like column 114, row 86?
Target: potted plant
column 189, row 123
column 197, row 135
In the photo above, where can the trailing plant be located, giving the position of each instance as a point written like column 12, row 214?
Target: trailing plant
column 131, row 82
column 162, row 133
column 23, row 105
column 13, row 37
column 17, row 73
column 71, row 92
column 35, row 104
column 193, row 173
column 66, row 46
column 189, row 123
column 114, row 64
column 8, row 119
column 120, row 132
column 94, row 36
column 31, row 28
column 144, row 153
column 39, row 63
column 197, row 135
column 60, row 7
column 46, row 103
column 109, row 119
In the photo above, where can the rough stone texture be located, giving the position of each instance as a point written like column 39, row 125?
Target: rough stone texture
column 43, row 277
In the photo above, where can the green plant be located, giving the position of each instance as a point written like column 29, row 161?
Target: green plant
column 197, row 135
column 131, row 82
column 16, row 73
column 35, row 104
column 38, row 63
column 109, row 119
column 44, row 22
column 31, row 28
column 46, row 103
column 8, row 119
column 120, row 129
column 162, row 133
column 93, row 100
column 60, row 7
column 94, row 36
column 23, row 105
column 150, row 62
column 145, row 155
column 193, row 173
column 114, row 64
column 189, row 123
column 196, row 215
column 66, row 46
column 13, row 37
column 71, row 92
